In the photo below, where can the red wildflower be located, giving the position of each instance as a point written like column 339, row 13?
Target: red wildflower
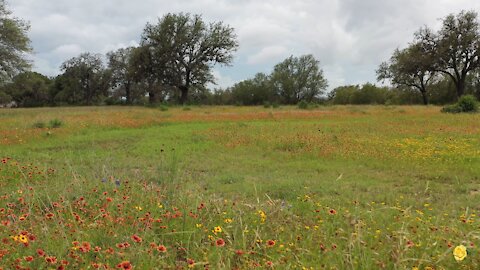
column 269, row 264
column 220, row 242
column 239, row 252
column 40, row 252
column 29, row 258
column 126, row 265
column 332, row 211
column 271, row 243
column 162, row 248
column 86, row 247
column 191, row 263
column 51, row 259
column 136, row 238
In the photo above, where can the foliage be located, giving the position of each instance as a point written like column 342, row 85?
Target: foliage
column 466, row 104
column 30, row 89
column 84, row 80
column 121, row 65
column 410, row 67
column 254, row 91
column 298, row 78
column 14, row 44
column 184, row 48
column 303, row 105
column 354, row 94
column 455, row 48
column 55, row 123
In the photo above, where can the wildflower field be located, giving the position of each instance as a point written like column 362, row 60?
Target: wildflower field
column 357, row 187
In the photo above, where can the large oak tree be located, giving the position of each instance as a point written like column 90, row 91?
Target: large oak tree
column 184, row 49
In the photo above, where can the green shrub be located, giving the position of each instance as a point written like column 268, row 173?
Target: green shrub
column 163, row 108
column 303, row 105
column 39, row 125
column 267, row 105
column 55, row 123
column 465, row 104
column 275, row 105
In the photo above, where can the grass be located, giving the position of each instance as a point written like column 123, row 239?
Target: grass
column 355, row 187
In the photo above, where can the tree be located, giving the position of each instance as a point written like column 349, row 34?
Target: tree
column 184, row 49
column 14, row 44
column 121, row 65
column 84, row 79
column 254, row 91
column 29, row 89
column 298, row 78
column 411, row 67
column 456, row 47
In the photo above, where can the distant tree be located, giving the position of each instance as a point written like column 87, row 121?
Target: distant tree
column 456, row 47
column 84, row 79
column 14, row 44
column 298, row 78
column 30, row 89
column 182, row 50
column 121, row 65
column 343, row 95
column 254, row 91
column 411, row 67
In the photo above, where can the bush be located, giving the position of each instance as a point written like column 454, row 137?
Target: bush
column 55, row 123
column 275, row 105
column 266, row 104
column 303, row 105
column 39, row 125
column 465, row 104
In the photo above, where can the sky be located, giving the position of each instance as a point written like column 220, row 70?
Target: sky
column 350, row 38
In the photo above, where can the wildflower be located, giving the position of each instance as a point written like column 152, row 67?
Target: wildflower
column 138, row 208
column 40, row 252
column 29, row 258
column 217, row 229
column 332, row 212
column 228, row 220
column 459, row 253
column 269, row 264
column 51, row 259
column 271, row 243
column 85, row 247
column 136, row 238
column 199, row 225
column 239, row 252
column 162, row 249
column 263, row 216
column 220, row 242
column 126, row 265
column 191, row 263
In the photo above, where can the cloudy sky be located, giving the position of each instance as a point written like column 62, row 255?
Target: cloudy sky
column 349, row 37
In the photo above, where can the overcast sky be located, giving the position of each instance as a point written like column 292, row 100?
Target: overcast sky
column 349, row 37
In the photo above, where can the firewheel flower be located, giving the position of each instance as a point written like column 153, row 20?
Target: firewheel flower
column 460, row 253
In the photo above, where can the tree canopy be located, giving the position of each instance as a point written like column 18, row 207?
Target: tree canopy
column 14, row 44
column 298, row 78
column 184, row 48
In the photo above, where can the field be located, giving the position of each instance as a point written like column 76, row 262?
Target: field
column 355, row 187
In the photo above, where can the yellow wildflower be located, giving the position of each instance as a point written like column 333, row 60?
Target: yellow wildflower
column 459, row 253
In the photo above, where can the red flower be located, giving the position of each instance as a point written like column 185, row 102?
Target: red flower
column 51, row 259
column 40, row 252
column 239, row 252
column 190, row 262
column 332, row 212
column 162, row 248
column 136, row 238
column 29, row 258
column 49, row 216
column 271, row 243
column 125, row 265
column 269, row 264
column 220, row 242
column 85, row 247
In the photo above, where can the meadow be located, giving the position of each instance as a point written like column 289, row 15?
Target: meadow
column 340, row 187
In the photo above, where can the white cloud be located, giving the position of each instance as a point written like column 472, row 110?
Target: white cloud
column 267, row 54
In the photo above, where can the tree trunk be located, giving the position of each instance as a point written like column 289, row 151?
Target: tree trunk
column 151, row 97
column 424, row 97
column 128, row 94
column 184, row 94
column 460, row 87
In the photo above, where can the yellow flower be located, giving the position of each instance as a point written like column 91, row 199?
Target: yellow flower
column 415, row 268
column 138, row 208
column 199, row 225
column 228, row 220
column 23, row 239
column 217, row 229
column 459, row 253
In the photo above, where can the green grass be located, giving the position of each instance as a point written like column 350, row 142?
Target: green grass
column 357, row 187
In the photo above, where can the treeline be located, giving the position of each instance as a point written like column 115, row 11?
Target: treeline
column 175, row 57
